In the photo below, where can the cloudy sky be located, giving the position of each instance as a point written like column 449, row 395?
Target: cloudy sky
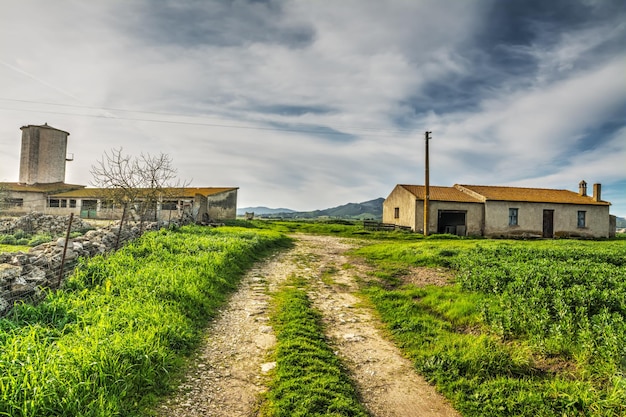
column 313, row 104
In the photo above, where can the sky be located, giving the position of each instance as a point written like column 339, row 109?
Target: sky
column 313, row 104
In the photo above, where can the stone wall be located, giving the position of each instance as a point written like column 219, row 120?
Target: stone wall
column 35, row 223
column 23, row 276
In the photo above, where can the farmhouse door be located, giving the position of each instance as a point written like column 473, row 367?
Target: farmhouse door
column 548, row 223
column 452, row 222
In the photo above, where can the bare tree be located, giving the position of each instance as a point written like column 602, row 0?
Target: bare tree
column 136, row 182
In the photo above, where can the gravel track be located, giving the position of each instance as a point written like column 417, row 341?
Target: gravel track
column 227, row 375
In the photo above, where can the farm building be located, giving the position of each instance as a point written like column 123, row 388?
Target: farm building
column 41, row 187
column 494, row 211
column 217, row 203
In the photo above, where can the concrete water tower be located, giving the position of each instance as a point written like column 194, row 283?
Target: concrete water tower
column 43, row 156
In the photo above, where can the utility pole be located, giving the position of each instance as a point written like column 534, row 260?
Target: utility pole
column 427, row 137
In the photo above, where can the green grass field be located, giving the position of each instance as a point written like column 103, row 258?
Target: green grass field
column 528, row 328
column 524, row 328
column 113, row 340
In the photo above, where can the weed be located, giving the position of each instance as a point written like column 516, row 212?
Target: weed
column 309, row 379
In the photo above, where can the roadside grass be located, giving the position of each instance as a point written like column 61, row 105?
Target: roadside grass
column 309, row 379
column 343, row 228
column 530, row 328
column 115, row 338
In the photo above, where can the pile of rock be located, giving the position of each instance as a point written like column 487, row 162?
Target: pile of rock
column 36, row 223
column 24, row 275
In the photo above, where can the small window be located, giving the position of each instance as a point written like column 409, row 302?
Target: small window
column 63, row 203
column 54, row 202
column 169, row 205
column 15, row 202
column 513, row 212
column 107, row 204
column 396, row 213
column 581, row 218
column 72, row 203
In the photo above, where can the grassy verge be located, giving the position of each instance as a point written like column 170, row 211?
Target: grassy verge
column 109, row 344
column 530, row 328
column 309, row 379
column 341, row 228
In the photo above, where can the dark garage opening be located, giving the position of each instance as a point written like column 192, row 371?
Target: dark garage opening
column 452, row 222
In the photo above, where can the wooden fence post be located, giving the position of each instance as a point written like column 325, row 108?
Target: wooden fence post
column 67, row 238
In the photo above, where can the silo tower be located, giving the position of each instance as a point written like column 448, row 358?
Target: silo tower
column 43, row 156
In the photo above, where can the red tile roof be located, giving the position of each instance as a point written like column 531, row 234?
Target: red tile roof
column 440, row 193
column 481, row 193
column 533, row 195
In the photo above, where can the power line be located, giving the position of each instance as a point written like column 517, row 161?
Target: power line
column 373, row 131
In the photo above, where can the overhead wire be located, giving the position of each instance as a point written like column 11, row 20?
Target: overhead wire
column 370, row 131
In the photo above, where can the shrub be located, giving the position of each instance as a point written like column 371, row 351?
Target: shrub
column 39, row 239
column 8, row 240
column 20, row 234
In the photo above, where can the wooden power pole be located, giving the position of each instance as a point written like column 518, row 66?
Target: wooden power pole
column 427, row 137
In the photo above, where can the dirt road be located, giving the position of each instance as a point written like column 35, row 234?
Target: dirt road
column 228, row 373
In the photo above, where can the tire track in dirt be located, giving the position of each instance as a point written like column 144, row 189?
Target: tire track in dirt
column 225, row 377
column 387, row 381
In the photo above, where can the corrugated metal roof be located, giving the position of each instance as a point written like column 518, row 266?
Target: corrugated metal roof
column 187, row 192
column 440, row 193
column 40, row 188
column 533, row 195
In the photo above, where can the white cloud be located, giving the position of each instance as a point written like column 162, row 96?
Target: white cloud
column 368, row 69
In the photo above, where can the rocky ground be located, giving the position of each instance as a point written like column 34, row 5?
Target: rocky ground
column 228, row 373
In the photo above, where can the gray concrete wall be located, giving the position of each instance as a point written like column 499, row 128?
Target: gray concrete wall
column 32, row 202
column 42, row 158
column 612, row 225
column 223, row 206
column 530, row 219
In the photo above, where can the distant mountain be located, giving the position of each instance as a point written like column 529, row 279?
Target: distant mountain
column 621, row 222
column 262, row 210
column 372, row 209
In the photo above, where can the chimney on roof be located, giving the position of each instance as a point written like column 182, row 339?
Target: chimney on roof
column 597, row 190
column 582, row 188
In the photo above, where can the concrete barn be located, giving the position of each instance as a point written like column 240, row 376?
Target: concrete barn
column 42, row 188
column 495, row 211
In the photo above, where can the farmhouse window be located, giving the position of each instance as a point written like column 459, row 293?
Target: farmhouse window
column 63, row 203
column 582, row 218
column 169, row 205
column 15, row 202
column 396, row 213
column 513, row 212
column 72, row 203
column 54, row 202
column 107, row 204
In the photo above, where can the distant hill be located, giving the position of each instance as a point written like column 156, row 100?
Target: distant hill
column 621, row 222
column 262, row 210
column 372, row 209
